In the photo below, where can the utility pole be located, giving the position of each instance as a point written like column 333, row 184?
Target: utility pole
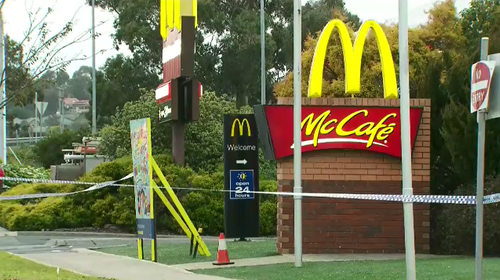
column 94, row 98
column 3, row 111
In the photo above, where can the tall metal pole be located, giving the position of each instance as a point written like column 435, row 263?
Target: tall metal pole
column 94, row 90
column 3, row 91
column 297, row 133
column 481, row 132
column 404, row 83
column 36, row 117
column 262, row 54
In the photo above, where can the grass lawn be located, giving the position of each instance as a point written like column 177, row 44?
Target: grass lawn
column 442, row 269
column 13, row 267
column 179, row 253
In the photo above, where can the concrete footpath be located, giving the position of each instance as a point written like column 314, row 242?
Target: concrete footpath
column 281, row 259
column 91, row 263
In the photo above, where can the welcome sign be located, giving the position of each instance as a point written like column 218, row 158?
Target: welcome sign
column 375, row 129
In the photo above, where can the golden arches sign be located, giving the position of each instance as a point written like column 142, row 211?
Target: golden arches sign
column 240, row 126
column 171, row 12
column 352, row 59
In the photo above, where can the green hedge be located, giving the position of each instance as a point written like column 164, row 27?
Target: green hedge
column 24, row 171
column 115, row 205
column 455, row 231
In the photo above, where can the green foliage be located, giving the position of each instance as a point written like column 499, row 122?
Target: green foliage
column 49, row 149
column 26, row 154
column 459, row 237
column 199, row 194
column 116, row 137
column 119, row 81
column 203, row 139
column 25, row 171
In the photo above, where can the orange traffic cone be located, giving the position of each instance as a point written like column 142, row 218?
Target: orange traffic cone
column 222, row 254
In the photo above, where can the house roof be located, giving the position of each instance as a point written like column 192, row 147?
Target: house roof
column 70, row 101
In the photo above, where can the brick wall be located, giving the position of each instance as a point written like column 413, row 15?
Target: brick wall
column 350, row 226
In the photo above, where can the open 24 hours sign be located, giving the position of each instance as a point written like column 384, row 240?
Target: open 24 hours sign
column 241, row 184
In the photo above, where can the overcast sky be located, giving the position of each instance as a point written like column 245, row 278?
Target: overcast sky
column 16, row 21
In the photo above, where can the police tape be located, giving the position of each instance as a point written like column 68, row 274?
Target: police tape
column 95, row 186
column 439, row 199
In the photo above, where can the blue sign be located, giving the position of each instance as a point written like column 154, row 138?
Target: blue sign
column 241, row 184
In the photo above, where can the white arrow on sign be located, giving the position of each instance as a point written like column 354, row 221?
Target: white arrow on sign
column 241, row 161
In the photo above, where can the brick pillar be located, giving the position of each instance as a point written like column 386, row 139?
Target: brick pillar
column 355, row 226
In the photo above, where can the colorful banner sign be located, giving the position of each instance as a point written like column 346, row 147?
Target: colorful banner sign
column 352, row 59
column 481, row 74
column 140, row 134
column 375, row 129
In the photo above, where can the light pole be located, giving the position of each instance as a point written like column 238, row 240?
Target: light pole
column 404, row 83
column 3, row 94
column 94, row 100
column 262, row 54
column 297, row 133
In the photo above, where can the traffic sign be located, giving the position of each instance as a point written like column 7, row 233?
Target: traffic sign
column 481, row 74
column 41, row 106
column 241, row 176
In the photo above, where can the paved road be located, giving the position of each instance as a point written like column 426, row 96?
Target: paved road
column 30, row 242
column 114, row 267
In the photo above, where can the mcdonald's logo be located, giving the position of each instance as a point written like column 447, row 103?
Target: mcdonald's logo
column 352, row 59
column 240, row 125
column 171, row 12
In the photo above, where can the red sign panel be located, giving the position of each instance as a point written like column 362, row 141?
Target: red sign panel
column 481, row 73
column 375, row 129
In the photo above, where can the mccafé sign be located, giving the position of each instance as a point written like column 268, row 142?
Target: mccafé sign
column 375, row 129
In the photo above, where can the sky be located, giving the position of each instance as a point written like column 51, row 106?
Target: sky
column 17, row 22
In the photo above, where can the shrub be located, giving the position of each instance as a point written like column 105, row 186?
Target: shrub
column 25, row 171
column 459, row 238
column 49, row 149
column 199, row 194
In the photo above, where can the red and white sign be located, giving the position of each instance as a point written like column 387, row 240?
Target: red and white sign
column 481, row 73
column 163, row 93
column 375, row 129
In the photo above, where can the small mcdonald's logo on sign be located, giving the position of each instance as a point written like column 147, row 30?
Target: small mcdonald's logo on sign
column 241, row 126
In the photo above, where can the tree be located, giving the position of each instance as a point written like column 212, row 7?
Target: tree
column 37, row 53
column 80, row 83
column 120, row 81
column 203, row 138
column 228, row 62
column 49, row 149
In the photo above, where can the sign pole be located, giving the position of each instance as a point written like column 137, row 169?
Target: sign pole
column 404, row 83
column 297, row 147
column 481, row 131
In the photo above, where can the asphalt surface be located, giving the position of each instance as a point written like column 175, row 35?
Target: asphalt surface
column 39, row 242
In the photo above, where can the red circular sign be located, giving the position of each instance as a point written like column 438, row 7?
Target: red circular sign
column 480, row 84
